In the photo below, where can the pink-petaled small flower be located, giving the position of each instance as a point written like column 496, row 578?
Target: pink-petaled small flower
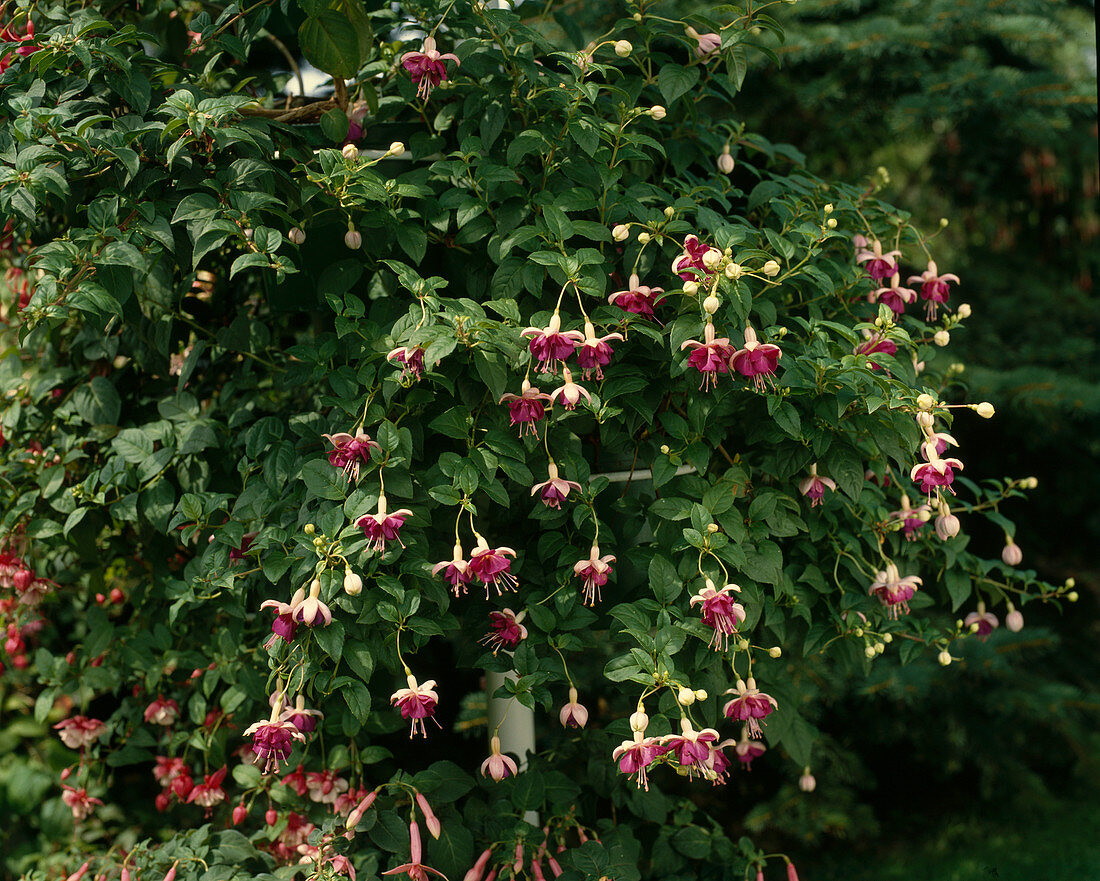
column 350, row 451
column 416, row 703
column 879, row 265
column 912, row 519
column 382, row 526
column 341, row 865
column 427, row 68
column 574, row 714
column 209, row 792
column 637, row 299
column 876, row 344
column 710, row 357
column 311, row 611
column 814, row 486
column 283, row 627
column 750, row 705
column 690, row 748
column 895, row 297
column 162, row 712
column 79, row 802
column 526, row 408
column 705, row 44
column 986, row 622
column 79, row 732
column 595, row 352
column 414, row 868
column 893, row 591
column 296, row 780
column 569, row 393
column 720, row 612
column 691, row 258
column 593, row 572
column 325, row 786
column 936, row 472
column 498, row 766
column 635, row 756
column 492, row 567
column 456, row 571
column 551, row 345
column 300, row 717
column 555, row 490
column 506, row 630
column 934, row 288
column 411, row 359
column 757, row 361
column 168, row 769
column 273, row 740
column 748, row 750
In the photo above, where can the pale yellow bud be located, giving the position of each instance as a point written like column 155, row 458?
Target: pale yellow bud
column 775, row 651
column 701, row 694
column 944, row 658
column 669, row 212
column 351, row 152
column 644, row 237
column 770, row 269
column 623, row 48
column 941, row 338
column 353, row 584
column 712, row 528
column 831, row 223
column 664, row 449
column 711, row 304
column 685, row 697
column 964, row 310
column 620, row 232
column 1072, row 596
column 926, row 401
column 734, row 270
column 712, row 258
column 985, row 410
column 869, row 651
column 309, row 529
column 829, row 208
column 691, row 288
column 397, row 148
column 657, row 112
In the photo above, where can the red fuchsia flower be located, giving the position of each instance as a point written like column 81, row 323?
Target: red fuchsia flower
column 341, row 865
column 238, row 553
column 814, row 486
column 748, row 750
column 936, row 472
column 912, row 519
column 595, row 352
column 934, row 288
column 9, row 566
column 350, row 451
column 705, row 44
column 573, row 714
column 283, row 627
column 411, row 359
column 691, row 258
column 569, row 394
column 690, row 748
column 526, row 408
column 416, row 703
column 637, row 299
column 181, row 786
column 300, row 717
column 168, row 769
column 296, row 780
column 426, row 68
column 10, row 35
column 456, row 571
column 325, row 786
column 505, row 630
column 414, row 868
column 80, row 732
column 555, row 490
column 311, row 611
column 162, row 712
column 492, row 567
column 710, row 357
column 79, row 802
column 498, row 766
column 986, row 622
column 209, row 792
column 594, row 572
column 879, row 265
column 751, row 705
column 551, row 345
column 756, row 360
column 893, row 591
column 895, row 297
column 720, row 612
column 273, row 740
column 381, row 526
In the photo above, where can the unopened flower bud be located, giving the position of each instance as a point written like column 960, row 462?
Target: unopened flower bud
column 239, row 813
column 353, row 584
column 831, row 223
column 271, row 816
column 620, row 232
column 775, row 652
column 309, row 529
column 925, row 401
column 964, row 310
column 351, row 152
column 944, row 658
column 1071, row 582
column 985, row 410
column 353, row 239
column 712, row 528
column 947, row 526
column 1014, row 620
column 639, row 721
column 701, row 694
column 691, row 288
column 770, row 269
column 725, row 161
column 397, row 148
column 657, row 112
column 870, row 650
column 712, row 258
column 296, row 235
column 734, row 270
column 941, row 338
column 644, row 237
column 669, row 212
column 1072, row 596
column 1011, row 555
column 637, row 16
column 665, row 449
column 685, row 697
column 829, row 208
column 623, row 48
column 887, row 638
column 943, row 222
column 925, row 419
column 806, row 782
column 711, row 304
column 879, row 648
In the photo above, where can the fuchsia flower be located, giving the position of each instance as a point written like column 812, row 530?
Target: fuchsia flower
column 569, row 394
column 814, row 486
column 879, row 265
column 505, row 630
column 716, row 768
column 637, row 299
column 498, row 766
column 492, row 567
column 691, row 258
column 705, row 44
column 416, row 703
column 311, row 611
column 296, row 780
column 874, row 345
column 325, row 786
column 414, row 868
column 79, row 732
column 635, row 756
column 894, row 296
column 555, row 490
column 411, row 359
column 300, row 717
column 594, row 572
column 934, row 288
column 272, row 741
column 709, row 357
column 573, row 714
column 209, row 792
column 751, row 705
column 79, row 802
column 238, row 553
column 894, row 591
column 382, row 527
column 720, row 612
column 936, row 472
column 748, row 750
column 942, row 440
column 10, row 35
column 456, row 571
column 168, row 769
column 526, row 408
column 426, row 68
column 551, row 345
column 162, row 712
column 691, row 748
column 350, row 451
column 913, row 519
column 756, row 360
column 987, row 622
column 283, row 627
column 595, row 352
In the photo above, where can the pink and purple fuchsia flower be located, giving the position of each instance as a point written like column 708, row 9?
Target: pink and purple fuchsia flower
column 895, row 297
column 593, row 572
column 691, row 258
column 893, row 591
column 382, row 527
column 350, row 452
column 720, row 612
column 492, row 567
column 936, row 472
column 555, row 489
column 595, row 352
column 427, row 68
column 456, row 571
column 550, row 345
column 416, row 703
column 879, row 265
column 934, row 288
column 273, row 740
column 814, row 486
column 637, row 299
column 750, row 705
column 506, row 630
column 710, row 357
column 757, row 361
column 527, row 408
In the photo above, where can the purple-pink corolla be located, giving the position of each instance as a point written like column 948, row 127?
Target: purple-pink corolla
column 720, row 612
column 710, row 357
column 691, row 258
column 895, row 297
column 593, row 572
column 934, row 288
column 300, row 717
column 690, row 748
column 311, row 611
column 756, row 360
column 416, row 703
column 705, row 44
column 555, row 490
column 574, row 714
column 284, row 626
column 748, row 750
column 985, row 622
column 750, row 705
column 382, row 526
column 498, row 766
column 426, row 68
column 942, row 441
column 526, row 408
column 273, row 740
column 569, row 393
column 595, row 352
column 936, row 472
column 411, row 359
column 350, row 451
column 637, row 298
column 879, row 265
column 456, row 571
column 912, row 519
column 875, row 344
column 635, row 756
column 492, row 567
column 814, row 486
column 551, row 345
column 506, row 630
column 893, row 591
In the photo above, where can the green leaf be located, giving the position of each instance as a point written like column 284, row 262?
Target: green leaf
column 674, row 81
column 330, row 43
column 324, row 480
column 334, row 125
column 98, row 402
column 664, row 580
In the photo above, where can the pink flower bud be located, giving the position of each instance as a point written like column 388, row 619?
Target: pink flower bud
column 66, row 773
column 79, row 873
column 1014, row 621
column 125, row 874
column 430, row 819
column 271, row 817
column 1012, row 555
column 759, row 873
column 478, row 869
column 517, row 866
column 171, row 874
column 792, row 875
column 239, row 813
column 555, row 866
column 416, row 850
column 536, row 871
column 353, row 239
